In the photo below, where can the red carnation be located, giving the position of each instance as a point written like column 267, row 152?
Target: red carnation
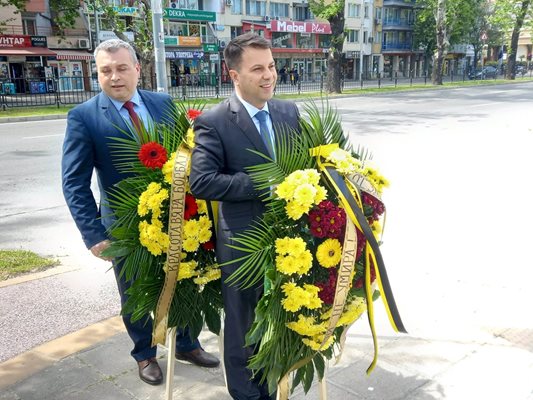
column 208, row 245
column 191, row 208
column 192, row 114
column 327, row 288
column 153, row 155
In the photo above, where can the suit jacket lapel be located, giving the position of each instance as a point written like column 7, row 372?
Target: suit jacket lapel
column 111, row 113
column 243, row 121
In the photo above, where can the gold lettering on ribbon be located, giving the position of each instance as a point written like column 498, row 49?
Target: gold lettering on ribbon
column 175, row 229
column 347, row 265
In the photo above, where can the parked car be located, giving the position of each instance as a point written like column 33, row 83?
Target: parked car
column 484, row 73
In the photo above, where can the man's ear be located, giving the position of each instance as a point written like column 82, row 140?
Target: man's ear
column 234, row 75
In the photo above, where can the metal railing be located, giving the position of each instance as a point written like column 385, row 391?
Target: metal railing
column 75, row 90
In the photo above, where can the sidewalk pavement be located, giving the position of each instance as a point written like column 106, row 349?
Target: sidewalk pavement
column 94, row 363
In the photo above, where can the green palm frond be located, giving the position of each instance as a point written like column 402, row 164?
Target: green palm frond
column 291, row 154
column 322, row 125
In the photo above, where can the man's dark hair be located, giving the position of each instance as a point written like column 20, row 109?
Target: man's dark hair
column 235, row 48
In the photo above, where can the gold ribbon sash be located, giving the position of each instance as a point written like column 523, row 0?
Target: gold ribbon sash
column 175, row 229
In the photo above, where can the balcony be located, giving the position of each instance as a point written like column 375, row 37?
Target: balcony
column 399, row 3
column 396, row 47
column 398, row 24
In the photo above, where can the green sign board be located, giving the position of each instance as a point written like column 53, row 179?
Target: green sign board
column 171, row 41
column 210, row 48
column 192, row 15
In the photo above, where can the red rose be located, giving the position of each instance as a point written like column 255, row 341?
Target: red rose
column 153, row 155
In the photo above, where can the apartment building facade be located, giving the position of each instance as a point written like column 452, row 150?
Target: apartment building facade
column 378, row 37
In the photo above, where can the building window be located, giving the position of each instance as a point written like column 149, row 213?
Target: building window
column 236, row 31
column 365, row 37
column 377, row 37
column 354, row 10
column 378, row 13
column 352, row 36
column 366, row 11
column 282, row 39
column 254, row 7
column 28, row 26
column 279, row 10
column 236, row 7
column 302, row 13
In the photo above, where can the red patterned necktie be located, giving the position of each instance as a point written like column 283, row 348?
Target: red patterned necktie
column 133, row 115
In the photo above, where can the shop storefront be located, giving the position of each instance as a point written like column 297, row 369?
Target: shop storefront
column 192, row 60
column 71, row 70
column 299, row 48
column 23, row 60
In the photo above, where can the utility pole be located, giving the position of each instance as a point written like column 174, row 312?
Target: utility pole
column 361, row 36
column 159, row 46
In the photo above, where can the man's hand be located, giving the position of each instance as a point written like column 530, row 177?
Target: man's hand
column 99, row 247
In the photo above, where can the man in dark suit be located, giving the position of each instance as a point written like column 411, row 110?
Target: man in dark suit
column 86, row 148
column 249, row 119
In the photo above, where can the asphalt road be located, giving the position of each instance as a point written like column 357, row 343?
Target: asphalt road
column 457, row 234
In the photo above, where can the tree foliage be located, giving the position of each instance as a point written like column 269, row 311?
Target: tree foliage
column 511, row 16
column 442, row 23
column 333, row 12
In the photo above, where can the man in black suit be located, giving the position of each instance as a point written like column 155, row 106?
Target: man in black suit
column 86, row 149
column 249, row 119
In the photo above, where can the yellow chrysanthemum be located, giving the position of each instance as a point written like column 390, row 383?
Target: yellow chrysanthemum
column 295, row 210
column 376, row 228
column 202, row 206
column 317, row 340
column 321, row 194
column 187, row 270
column 304, row 195
column 297, row 297
column 287, row 264
column 284, row 190
column 329, row 253
column 189, row 138
column 191, row 228
column 352, row 311
column 168, row 167
column 204, row 222
column 191, row 244
column 204, row 235
column 306, row 326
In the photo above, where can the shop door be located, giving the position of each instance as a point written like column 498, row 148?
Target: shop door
column 17, row 77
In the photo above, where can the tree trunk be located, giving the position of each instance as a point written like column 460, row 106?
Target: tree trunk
column 511, row 57
column 442, row 43
column 333, row 80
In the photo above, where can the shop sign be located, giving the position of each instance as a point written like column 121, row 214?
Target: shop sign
column 39, row 41
column 171, row 40
column 191, row 15
column 187, row 41
column 210, row 47
column 14, row 41
column 214, row 57
column 184, row 54
column 106, row 35
column 124, row 11
column 300, row 27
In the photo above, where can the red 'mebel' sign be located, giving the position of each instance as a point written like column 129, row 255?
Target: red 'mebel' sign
column 15, row 41
column 300, row 27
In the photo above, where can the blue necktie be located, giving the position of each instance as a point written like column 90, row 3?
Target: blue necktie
column 265, row 133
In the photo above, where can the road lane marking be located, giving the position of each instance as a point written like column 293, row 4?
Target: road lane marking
column 43, row 136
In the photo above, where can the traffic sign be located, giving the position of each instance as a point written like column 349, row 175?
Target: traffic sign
column 484, row 36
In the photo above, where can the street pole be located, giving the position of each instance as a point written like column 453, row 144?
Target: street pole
column 361, row 54
column 159, row 46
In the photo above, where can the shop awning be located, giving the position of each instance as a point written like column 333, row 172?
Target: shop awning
column 28, row 51
column 73, row 55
